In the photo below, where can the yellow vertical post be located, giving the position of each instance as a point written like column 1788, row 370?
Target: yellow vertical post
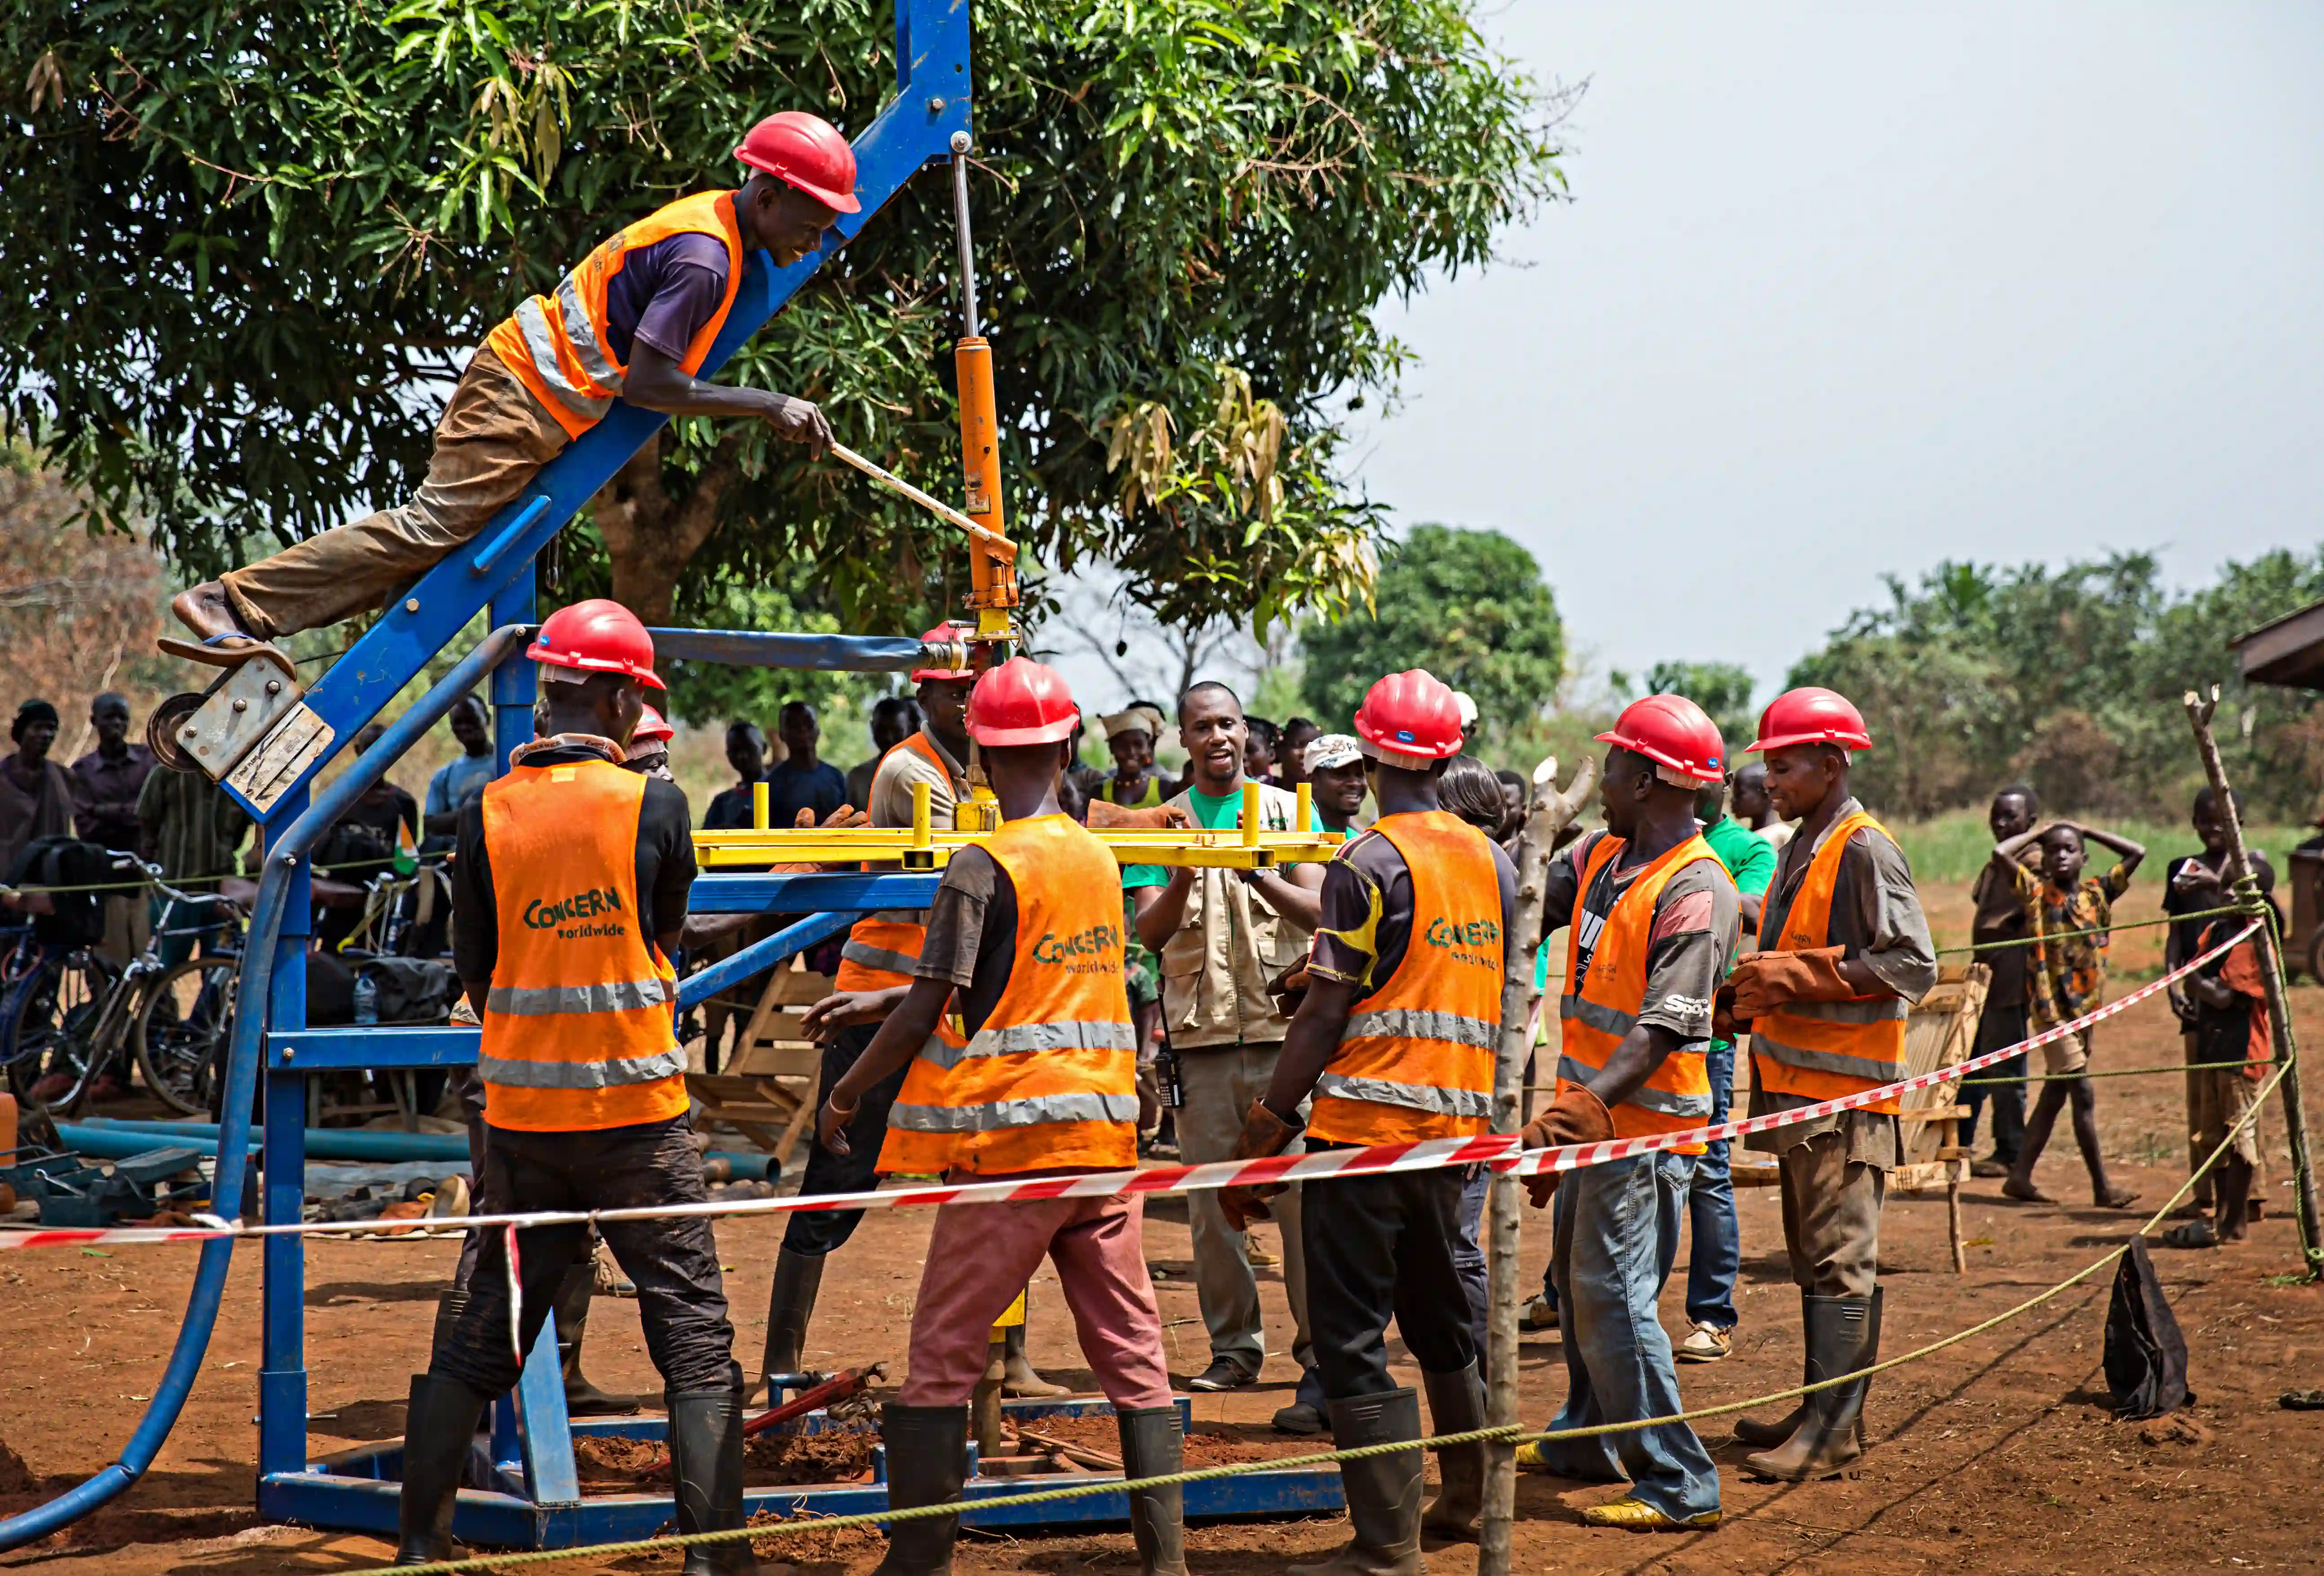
column 761, row 811
column 922, row 836
column 1251, row 801
column 1303, row 815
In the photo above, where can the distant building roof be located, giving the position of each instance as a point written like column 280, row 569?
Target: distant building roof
column 2289, row 652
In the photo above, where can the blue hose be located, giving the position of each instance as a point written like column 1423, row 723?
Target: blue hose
column 256, row 988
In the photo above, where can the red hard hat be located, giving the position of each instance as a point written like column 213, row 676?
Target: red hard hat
column 1409, row 719
column 597, row 636
column 1021, row 702
column 945, row 634
column 1670, row 730
column 1809, row 715
column 808, row 151
column 652, row 726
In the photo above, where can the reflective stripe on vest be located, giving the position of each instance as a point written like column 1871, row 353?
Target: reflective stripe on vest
column 1049, row 1079
column 1821, row 1050
column 1416, row 1058
column 883, row 951
column 576, row 1023
column 557, row 343
column 1602, row 1012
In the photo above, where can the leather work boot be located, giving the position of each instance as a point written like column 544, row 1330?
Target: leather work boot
column 439, row 1427
column 581, row 1398
column 1766, row 1435
column 1153, row 1445
column 1456, row 1404
column 928, row 1455
column 790, row 1305
column 1020, row 1382
column 1843, row 1335
column 1383, row 1491
column 705, row 1468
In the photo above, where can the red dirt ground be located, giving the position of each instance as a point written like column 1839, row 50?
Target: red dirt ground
column 1995, row 1456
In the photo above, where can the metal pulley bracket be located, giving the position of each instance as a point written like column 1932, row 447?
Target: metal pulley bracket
column 243, row 709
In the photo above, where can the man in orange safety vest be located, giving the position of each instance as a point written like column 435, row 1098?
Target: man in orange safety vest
column 635, row 322
column 1024, row 943
column 1844, row 951
column 1395, row 1040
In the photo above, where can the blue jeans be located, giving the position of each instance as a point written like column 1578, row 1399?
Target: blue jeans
column 1614, row 1242
column 1717, row 1251
column 1469, row 1255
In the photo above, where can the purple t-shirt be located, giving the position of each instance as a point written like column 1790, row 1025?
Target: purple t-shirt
column 664, row 293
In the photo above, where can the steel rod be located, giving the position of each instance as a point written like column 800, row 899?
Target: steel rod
column 944, row 512
column 968, row 325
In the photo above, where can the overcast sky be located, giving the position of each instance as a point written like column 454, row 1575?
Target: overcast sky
column 1847, row 289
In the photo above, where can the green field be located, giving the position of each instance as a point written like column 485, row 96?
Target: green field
column 1951, row 847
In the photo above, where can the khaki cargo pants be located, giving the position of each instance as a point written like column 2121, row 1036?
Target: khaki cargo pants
column 492, row 440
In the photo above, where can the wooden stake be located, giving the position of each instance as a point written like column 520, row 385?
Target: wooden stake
column 2279, row 1011
column 1550, row 813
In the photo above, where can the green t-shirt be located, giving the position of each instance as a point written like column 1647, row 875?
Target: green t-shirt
column 1212, row 812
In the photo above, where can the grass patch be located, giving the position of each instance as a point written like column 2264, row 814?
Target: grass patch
column 1954, row 846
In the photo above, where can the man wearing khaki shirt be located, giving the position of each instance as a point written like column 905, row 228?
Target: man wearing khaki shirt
column 1223, row 936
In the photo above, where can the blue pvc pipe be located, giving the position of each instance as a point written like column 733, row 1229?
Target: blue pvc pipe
column 755, row 649
column 760, row 956
column 240, row 1086
column 107, row 1138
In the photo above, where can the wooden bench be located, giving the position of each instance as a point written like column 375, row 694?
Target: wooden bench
column 767, row 1089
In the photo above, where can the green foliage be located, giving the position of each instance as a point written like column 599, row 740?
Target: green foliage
column 2071, row 679
column 245, row 247
column 1470, row 606
column 1722, row 689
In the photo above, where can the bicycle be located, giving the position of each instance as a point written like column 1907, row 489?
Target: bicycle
column 71, row 1013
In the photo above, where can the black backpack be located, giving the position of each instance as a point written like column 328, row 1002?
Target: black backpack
column 2146, row 1355
column 78, row 919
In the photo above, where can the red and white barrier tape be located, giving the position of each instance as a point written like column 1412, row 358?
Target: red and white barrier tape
column 1498, row 1150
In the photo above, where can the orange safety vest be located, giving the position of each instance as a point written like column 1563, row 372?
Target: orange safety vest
column 1049, row 1080
column 555, row 344
column 1416, row 1058
column 882, row 954
column 1601, row 1015
column 1826, row 1049
column 578, row 1028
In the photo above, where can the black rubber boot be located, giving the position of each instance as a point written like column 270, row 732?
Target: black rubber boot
column 1383, row 1491
column 1766, row 1435
column 439, row 1427
column 706, row 1466
column 1456, row 1405
column 1154, row 1446
column 1842, row 1337
column 581, row 1398
column 927, row 1453
column 449, row 1306
column 789, row 1308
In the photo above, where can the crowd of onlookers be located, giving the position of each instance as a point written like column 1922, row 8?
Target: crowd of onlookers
column 1208, row 953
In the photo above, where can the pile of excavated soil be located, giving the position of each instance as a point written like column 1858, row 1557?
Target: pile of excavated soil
column 615, row 1465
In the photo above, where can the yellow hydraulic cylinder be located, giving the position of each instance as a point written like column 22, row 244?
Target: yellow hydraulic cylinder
column 992, row 579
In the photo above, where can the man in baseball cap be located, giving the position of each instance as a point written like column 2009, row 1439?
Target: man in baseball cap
column 1334, row 769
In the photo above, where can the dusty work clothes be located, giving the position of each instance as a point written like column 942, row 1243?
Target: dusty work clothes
column 492, row 440
column 681, row 1296
column 1613, row 1251
column 1834, row 1185
column 1383, row 1247
column 578, row 1032
column 979, row 1256
column 1220, row 1085
column 820, row 1231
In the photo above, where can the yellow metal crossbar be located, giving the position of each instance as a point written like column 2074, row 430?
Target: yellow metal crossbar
column 919, row 846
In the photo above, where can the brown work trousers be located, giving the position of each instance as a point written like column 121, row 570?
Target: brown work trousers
column 1831, row 1217
column 492, row 440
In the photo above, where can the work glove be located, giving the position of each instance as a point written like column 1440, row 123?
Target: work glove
column 1724, row 1024
column 1264, row 1133
column 839, row 820
column 1577, row 1116
column 1105, row 814
column 1768, row 980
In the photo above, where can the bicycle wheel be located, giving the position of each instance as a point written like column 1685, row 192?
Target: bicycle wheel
column 183, row 1023
column 49, row 1028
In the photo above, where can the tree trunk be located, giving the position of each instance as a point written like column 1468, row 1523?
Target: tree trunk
column 650, row 536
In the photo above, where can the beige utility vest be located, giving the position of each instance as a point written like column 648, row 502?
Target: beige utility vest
column 1216, row 968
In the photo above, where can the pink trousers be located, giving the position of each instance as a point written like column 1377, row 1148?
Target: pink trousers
column 981, row 1256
